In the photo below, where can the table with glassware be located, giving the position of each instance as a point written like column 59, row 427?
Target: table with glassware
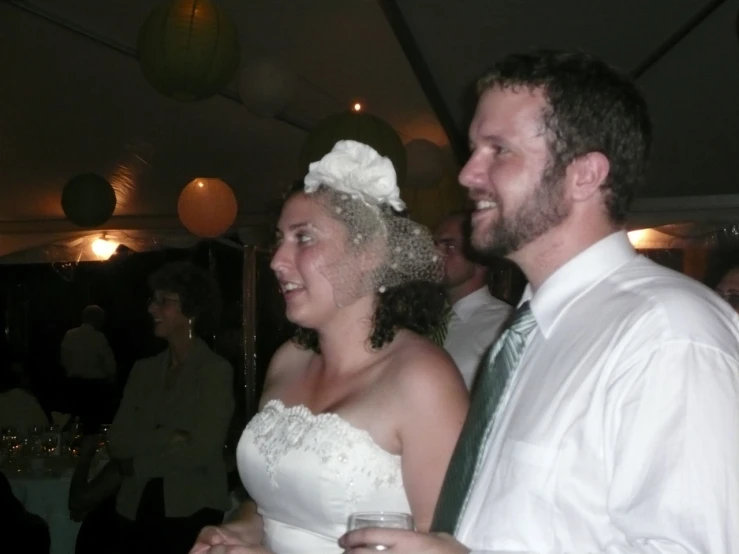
column 39, row 465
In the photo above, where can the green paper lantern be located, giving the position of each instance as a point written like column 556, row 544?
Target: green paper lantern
column 188, row 49
column 359, row 126
column 88, row 200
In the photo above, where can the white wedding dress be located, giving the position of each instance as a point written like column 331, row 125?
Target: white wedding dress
column 308, row 473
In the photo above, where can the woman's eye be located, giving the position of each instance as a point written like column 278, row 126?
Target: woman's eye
column 303, row 238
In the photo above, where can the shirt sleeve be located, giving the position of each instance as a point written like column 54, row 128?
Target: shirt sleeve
column 673, row 454
column 127, row 437
column 214, row 408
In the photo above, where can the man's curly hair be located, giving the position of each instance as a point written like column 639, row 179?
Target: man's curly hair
column 414, row 305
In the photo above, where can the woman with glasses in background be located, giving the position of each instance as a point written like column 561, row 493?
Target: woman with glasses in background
column 168, row 435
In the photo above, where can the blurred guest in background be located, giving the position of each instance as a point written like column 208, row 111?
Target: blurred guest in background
column 21, row 531
column 476, row 317
column 19, row 408
column 728, row 287
column 90, row 368
column 92, row 496
column 168, row 435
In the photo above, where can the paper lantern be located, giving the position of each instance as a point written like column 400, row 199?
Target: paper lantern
column 266, row 86
column 88, row 200
column 359, row 126
column 207, row 207
column 425, row 164
column 188, row 49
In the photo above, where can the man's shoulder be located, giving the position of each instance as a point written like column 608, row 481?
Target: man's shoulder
column 666, row 302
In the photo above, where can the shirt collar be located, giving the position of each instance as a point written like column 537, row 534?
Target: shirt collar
column 576, row 277
column 465, row 307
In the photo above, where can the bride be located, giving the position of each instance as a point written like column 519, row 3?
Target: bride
column 359, row 411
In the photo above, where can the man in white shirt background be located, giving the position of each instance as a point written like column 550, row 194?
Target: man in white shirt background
column 90, row 368
column 477, row 316
column 617, row 430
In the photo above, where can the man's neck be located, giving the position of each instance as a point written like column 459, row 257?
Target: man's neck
column 541, row 258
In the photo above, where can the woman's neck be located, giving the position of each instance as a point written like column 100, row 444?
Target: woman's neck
column 180, row 347
column 344, row 341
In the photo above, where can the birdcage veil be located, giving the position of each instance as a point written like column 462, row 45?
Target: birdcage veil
column 385, row 248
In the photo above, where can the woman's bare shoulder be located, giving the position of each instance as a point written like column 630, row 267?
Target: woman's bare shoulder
column 286, row 361
column 419, row 364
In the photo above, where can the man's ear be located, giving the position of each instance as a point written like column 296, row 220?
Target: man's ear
column 586, row 175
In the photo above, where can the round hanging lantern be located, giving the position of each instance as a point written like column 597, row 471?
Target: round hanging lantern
column 207, row 207
column 88, row 200
column 188, row 49
column 266, row 86
column 354, row 125
column 425, row 164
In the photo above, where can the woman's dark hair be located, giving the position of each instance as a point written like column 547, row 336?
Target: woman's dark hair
column 198, row 292
column 414, row 305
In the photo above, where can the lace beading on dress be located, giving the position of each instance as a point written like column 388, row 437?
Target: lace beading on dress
column 278, row 430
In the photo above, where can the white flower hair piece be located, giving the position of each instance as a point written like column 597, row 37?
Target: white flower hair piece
column 358, row 170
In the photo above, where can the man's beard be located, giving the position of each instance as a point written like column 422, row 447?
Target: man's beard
column 544, row 209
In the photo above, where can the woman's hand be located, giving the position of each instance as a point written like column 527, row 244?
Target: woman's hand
column 229, row 534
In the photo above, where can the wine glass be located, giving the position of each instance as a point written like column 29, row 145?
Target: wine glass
column 388, row 520
column 34, row 436
column 5, row 434
column 50, row 440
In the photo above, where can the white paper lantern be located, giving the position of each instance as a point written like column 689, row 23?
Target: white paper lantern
column 266, row 86
column 425, row 164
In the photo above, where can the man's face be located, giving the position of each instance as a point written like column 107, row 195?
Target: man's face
column 449, row 239
column 518, row 193
column 728, row 288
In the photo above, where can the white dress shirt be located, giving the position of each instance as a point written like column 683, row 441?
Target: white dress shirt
column 85, row 353
column 476, row 322
column 619, row 431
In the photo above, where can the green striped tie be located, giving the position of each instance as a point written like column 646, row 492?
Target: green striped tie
column 500, row 363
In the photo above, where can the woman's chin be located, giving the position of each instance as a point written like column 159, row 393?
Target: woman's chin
column 300, row 318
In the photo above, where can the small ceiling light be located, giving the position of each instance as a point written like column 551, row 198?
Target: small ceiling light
column 104, row 248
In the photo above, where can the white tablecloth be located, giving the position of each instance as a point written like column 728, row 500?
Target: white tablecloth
column 47, row 497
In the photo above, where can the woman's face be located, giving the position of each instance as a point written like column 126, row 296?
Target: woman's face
column 166, row 312
column 309, row 244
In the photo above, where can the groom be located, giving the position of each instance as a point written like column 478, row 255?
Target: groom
column 606, row 418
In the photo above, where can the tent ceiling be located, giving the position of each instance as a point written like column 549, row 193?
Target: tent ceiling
column 72, row 104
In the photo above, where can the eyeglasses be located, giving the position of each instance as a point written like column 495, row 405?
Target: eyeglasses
column 162, row 301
